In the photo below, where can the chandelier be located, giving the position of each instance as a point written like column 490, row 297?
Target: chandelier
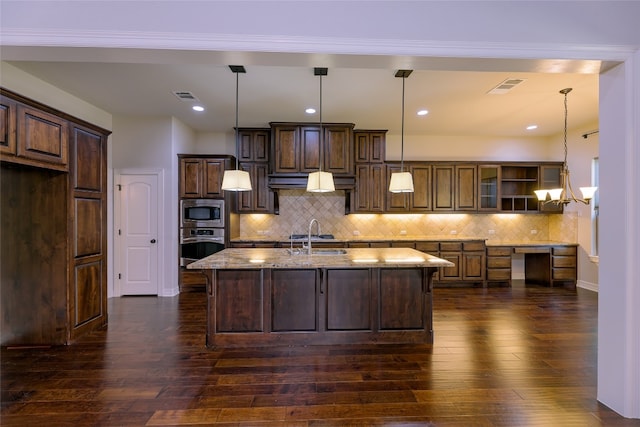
column 564, row 194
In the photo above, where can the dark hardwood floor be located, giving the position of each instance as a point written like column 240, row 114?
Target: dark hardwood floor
column 521, row 356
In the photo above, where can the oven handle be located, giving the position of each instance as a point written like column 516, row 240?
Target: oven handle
column 202, row 239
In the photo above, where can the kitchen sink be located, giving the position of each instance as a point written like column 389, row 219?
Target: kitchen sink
column 313, row 237
column 326, row 251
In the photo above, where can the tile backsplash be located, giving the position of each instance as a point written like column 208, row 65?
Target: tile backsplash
column 297, row 208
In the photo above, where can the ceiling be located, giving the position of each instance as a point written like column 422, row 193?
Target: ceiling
column 455, row 93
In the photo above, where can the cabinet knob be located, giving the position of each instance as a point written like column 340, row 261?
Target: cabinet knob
column 153, row 240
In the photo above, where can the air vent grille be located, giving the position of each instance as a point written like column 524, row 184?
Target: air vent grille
column 505, row 86
column 185, row 95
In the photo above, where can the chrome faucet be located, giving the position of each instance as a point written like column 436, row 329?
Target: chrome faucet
column 310, row 226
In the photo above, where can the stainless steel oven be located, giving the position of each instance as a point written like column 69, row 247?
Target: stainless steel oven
column 199, row 242
column 202, row 213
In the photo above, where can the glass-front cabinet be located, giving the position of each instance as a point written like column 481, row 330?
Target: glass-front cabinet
column 489, row 189
column 550, row 177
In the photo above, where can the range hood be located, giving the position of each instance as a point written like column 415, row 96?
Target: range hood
column 282, row 181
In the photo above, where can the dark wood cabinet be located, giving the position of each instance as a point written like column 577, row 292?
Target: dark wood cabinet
column 88, row 281
column 296, row 148
column 488, row 187
column 499, row 264
column 454, row 187
column 550, row 177
column 518, row 182
column 254, row 155
column 370, row 171
column 420, row 199
column 469, row 258
column 8, row 126
column 54, row 226
column 466, row 188
column 201, row 176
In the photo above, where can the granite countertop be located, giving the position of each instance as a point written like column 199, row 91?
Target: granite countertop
column 438, row 238
column 528, row 243
column 250, row 258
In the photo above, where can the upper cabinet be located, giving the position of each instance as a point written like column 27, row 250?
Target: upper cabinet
column 488, row 187
column 296, row 148
column 253, row 153
column 33, row 136
column 201, row 176
column 370, row 170
column 455, row 187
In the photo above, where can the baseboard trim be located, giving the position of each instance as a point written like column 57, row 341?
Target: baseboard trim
column 587, row 285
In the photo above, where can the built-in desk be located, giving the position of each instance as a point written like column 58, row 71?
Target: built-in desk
column 548, row 263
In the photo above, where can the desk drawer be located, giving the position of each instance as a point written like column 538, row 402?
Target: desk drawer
column 496, row 251
column 564, row 261
column 564, row 274
column 499, row 262
column 566, row 250
column 503, row 274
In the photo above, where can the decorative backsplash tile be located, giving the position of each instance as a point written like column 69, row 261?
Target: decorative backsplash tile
column 297, row 208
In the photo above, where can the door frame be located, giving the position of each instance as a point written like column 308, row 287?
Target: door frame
column 117, row 220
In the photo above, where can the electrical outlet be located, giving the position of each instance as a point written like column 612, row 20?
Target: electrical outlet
column 356, row 233
column 534, row 231
column 403, row 232
column 454, row 231
column 491, row 232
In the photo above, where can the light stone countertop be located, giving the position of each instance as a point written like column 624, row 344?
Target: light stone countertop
column 528, row 243
column 255, row 258
column 448, row 237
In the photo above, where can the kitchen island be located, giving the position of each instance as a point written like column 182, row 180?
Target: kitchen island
column 266, row 297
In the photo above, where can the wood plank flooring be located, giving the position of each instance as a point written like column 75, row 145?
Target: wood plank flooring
column 521, row 356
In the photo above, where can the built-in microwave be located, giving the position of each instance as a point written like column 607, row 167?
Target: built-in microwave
column 202, row 213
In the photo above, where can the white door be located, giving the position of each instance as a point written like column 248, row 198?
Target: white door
column 139, row 235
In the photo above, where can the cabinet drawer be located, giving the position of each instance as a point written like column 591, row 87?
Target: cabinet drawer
column 499, row 262
column 567, row 250
column 473, row 246
column 500, row 274
column 564, row 261
column 403, row 245
column 492, row 251
column 450, row 246
column 564, row 273
column 429, row 247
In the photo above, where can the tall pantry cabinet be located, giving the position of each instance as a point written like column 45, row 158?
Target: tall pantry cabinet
column 53, row 224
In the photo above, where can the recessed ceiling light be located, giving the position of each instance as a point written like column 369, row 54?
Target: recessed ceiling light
column 423, row 112
column 198, row 108
column 310, row 111
column 532, row 127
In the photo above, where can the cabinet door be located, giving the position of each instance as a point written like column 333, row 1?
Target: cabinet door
column 349, row 297
column 286, row 149
column 420, row 199
column 191, row 171
column 369, row 194
column 259, row 199
column 369, row 146
column 451, row 273
column 337, row 150
column 294, row 300
column 238, row 301
column 443, row 188
column 488, row 187
column 213, row 173
column 310, row 148
column 550, row 177
column 466, row 188
column 42, row 136
column 401, row 299
column 473, row 266
column 395, row 202
column 253, row 145
column 7, row 126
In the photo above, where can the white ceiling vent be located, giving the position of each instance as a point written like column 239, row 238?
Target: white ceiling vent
column 185, row 95
column 505, row 86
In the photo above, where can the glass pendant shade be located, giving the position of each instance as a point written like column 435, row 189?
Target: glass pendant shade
column 320, row 182
column 555, row 193
column 401, row 182
column 588, row 192
column 236, row 180
column 542, row 194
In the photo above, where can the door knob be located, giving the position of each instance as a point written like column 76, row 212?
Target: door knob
column 153, row 240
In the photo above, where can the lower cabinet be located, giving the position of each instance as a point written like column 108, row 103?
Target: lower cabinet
column 305, row 306
column 499, row 264
column 469, row 258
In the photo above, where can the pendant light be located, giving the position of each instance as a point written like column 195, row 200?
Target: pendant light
column 236, row 180
column 564, row 195
column 401, row 182
column 320, row 182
